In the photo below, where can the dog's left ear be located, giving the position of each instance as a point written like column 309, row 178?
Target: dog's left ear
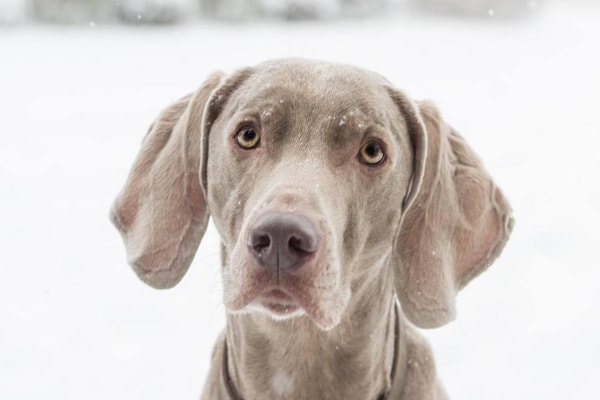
column 161, row 211
column 455, row 219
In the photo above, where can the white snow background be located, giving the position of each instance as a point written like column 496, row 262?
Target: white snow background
column 75, row 103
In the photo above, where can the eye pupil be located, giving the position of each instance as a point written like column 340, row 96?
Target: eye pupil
column 249, row 134
column 372, row 150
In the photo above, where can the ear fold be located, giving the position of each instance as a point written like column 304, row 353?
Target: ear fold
column 455, row 223
column 161, row 212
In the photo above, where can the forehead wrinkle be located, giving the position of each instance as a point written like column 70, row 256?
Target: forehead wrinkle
column 308, row 104
column 282, row 107
column 269, row 110
column 354, row 124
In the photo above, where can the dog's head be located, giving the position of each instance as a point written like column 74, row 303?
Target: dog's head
column 316, row 175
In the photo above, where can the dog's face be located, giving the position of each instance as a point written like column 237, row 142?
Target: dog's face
column 312, row 169
column 317, row 176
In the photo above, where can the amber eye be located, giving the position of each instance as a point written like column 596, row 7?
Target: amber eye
column 247, row 138
column 372, row 153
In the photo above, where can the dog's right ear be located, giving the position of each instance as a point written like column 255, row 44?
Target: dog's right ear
column 162, row 212
column 456, row 220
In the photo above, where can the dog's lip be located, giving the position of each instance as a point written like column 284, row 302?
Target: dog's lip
column 278, row 301
column 277, row 296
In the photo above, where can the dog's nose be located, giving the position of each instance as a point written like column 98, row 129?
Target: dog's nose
column 281, row 242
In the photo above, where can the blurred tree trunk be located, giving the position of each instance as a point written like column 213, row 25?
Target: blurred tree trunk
column 231, row 10
column 154, row 11
column 72, row 11
column 289, row 9
column 12, row 11
column 130, row 11
column 480, row 8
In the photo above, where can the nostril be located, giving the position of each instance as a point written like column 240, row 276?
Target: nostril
column 261, row 242
column 295, row 244
column 300, row 246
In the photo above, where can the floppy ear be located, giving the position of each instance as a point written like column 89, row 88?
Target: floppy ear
column 455, row 219
column 161, row 212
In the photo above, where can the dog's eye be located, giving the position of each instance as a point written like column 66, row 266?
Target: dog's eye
column 247, row 138
column 372, row 154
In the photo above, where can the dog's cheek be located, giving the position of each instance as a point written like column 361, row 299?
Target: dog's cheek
column 366, row 221
column 234, row 292
column 384, row 200
column 372, row 218
column 220, row 187
column 238, row 280
column 353, row 236
column 332, row 309
column 229, row 182
column 383, row 214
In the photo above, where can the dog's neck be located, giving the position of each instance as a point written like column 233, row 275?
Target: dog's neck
column 293, row 359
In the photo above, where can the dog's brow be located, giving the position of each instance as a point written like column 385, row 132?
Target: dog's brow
column 351, row 126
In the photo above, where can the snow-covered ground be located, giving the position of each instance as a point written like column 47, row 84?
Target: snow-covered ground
column 75, row 322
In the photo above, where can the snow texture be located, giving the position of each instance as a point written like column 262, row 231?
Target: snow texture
column 75, row 103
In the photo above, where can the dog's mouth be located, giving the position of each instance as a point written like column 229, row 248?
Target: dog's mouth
column 287, row 301
column 256, row 290
column 278, row 303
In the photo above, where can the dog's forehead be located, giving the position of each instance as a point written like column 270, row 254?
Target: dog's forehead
column 315, row 103
column 331, row 86
column 312, row 72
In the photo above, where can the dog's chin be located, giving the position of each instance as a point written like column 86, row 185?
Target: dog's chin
column 276, row 304
column 278, row 312
column 281, row 306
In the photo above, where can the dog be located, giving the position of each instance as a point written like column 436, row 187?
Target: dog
column 348, row 215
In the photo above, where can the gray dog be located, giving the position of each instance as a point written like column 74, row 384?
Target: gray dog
column 346, row 211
